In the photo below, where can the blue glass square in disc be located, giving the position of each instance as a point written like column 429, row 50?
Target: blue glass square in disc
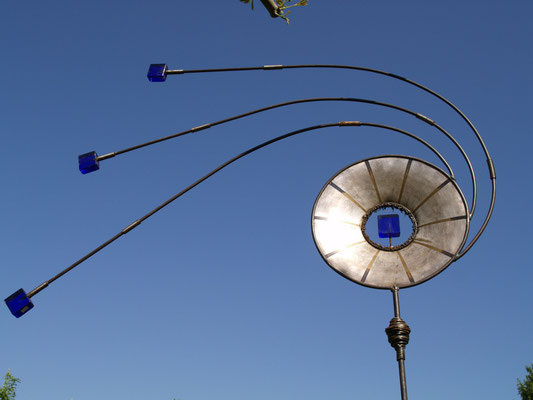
column 389, row 225
column 88, row 162
column 18, row 303
column 157, row 73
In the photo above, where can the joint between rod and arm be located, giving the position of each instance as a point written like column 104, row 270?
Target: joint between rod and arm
column 37, row 289
column 492, row 170
column 106, row 156
column 350, row 123
column 200, row 128
column 425, row 119
column 272, row 67
column 131, row 226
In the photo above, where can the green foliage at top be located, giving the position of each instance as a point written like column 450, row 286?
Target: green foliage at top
column 283, row 5
column 7, row 391
column 525, row 388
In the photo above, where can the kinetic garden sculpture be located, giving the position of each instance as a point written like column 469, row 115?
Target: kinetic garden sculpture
column 386, row 222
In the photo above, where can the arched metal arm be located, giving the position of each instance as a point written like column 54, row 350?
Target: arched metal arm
column 404, row 132
column 490, row 163
column 217, row 169
column 417, row 115
column 485, row 223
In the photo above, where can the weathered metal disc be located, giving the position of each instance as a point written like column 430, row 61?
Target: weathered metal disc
column 432, row 197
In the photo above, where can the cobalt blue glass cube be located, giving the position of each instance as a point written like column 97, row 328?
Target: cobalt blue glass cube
column 88, row 162
column 18, row 303
column 389, row 225
column 157, row 73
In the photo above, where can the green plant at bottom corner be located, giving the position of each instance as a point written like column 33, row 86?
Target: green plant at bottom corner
column 525, row 388
column 8, row 390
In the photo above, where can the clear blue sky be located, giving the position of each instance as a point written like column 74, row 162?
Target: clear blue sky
column 223, row 295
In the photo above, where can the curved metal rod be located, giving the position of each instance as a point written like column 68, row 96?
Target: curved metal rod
column 490, row 163
column 391, row 128
column 485, row 223
column 320, row 99
column 214, row 171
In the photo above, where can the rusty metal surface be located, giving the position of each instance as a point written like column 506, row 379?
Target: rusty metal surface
column 433, row 198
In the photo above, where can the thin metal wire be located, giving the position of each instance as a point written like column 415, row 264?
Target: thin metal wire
column 72, row 266
column 214, row 171
column 319, row 99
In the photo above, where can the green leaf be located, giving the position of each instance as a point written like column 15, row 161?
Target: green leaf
column 7, row 391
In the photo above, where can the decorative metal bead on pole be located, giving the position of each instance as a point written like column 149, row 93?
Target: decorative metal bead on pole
column 386, row 222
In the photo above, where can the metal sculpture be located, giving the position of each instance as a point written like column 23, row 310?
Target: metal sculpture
column 437, row 212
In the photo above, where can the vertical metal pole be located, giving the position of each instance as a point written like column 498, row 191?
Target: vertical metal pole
column 396, row 301
column 398, row 333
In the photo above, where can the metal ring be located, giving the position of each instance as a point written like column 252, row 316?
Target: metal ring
column 382, row 206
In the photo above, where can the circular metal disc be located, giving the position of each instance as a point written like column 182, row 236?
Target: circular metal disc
column 432, row 197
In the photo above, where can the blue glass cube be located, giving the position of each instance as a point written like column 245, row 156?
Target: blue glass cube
column 18, row 303
column 389, row 225
column 88, row 162
column 157, row 73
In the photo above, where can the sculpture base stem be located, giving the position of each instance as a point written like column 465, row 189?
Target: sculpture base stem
column 398, row 333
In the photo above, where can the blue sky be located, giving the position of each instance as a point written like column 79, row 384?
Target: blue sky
column 222, row 295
